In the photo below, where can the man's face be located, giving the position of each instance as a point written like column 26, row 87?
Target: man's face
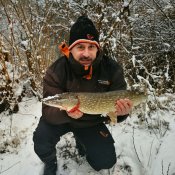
column 84, row 53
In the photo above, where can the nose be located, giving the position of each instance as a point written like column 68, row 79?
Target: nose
column 86, row 52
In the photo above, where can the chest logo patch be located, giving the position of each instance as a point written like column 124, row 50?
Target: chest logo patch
column 105, row 82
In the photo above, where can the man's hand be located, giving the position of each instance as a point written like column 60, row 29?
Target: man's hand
column 76, row 114
column 123, row 107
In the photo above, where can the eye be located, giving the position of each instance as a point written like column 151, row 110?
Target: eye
column 92, row 46
column 80, row 47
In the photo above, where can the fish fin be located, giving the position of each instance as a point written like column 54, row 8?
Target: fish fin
column 113, row 117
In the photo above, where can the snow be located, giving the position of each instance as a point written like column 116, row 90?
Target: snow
column 125, row 4
column 140, row 149
column 25, row 43
column 133, row 60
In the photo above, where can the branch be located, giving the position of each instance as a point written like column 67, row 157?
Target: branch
column 168, row 168
column 150, row 152
column 111, row 30
column 135, row 147
column 162, row 167
column 160, row 8
column 9, row 167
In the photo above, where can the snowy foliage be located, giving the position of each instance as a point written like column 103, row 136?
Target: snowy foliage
column 144, row 142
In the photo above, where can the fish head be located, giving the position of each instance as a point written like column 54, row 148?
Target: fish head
column 64, row 101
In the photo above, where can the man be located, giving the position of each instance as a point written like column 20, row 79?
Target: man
column 84, row 69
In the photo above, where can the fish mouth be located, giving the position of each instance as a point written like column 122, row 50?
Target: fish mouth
column 52, row 104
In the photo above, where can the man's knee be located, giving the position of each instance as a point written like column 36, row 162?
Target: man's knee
column 43, row 139
column 46, row 136
column 40, row 142
column 102, row 158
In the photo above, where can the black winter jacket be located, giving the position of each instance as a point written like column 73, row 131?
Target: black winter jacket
column 66, row 75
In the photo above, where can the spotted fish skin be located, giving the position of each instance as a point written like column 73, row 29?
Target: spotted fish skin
column 93, row 103
column 103, row 103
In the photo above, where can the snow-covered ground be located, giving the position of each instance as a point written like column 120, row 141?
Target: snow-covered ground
column 143, row 147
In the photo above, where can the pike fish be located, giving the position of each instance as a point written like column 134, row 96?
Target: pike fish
column 94, row 103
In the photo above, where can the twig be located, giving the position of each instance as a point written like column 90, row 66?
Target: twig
column 27, row 114
column 135, row 147
column 150, row 152
column 168, row 168
column 160, row 8
column 162, row 168
column 9, row 167
column 113, row 27
column 11, row 120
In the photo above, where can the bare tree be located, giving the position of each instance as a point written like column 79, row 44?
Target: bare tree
column 138, row 34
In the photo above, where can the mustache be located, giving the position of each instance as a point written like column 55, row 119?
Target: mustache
column 85, row 59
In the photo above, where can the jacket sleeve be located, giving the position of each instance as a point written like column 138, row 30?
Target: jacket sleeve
column 118, row 83
column 51, row 86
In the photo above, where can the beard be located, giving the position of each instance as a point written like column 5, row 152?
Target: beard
column 85, row 59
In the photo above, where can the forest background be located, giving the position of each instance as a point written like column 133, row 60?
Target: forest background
column 139, row 34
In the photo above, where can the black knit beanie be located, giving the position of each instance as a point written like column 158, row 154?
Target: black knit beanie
column 83, row 30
